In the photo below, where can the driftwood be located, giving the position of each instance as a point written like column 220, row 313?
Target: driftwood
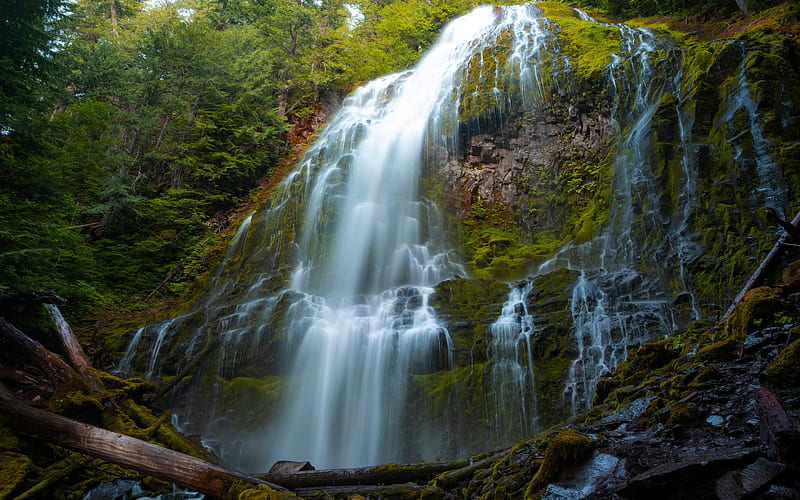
column 69, row 342
column 765, row 266
column 379, row 474
column 57, row 370
column 147, row 458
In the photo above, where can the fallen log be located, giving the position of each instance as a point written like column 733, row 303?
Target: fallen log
column 69, row 342
column 378, row 474
column 765, row 266
column 150, row 459
column 58, row 371
column 404, row 490
column 449, row 479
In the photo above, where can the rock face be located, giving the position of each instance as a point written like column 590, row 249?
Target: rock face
column 522, row 164
column 676, row 425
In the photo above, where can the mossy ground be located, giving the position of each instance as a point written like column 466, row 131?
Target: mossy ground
column 38, row 470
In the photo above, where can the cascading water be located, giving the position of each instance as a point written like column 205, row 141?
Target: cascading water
column 770, row 190
column 356, row 347
column 620, row 301
column 513, row 377
column 321, row 309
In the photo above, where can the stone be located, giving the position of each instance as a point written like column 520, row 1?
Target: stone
column 734, row 485
column 693, row 470
column 587, row 478
column 288, row 466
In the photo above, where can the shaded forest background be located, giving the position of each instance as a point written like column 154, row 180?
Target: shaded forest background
column 131, row 133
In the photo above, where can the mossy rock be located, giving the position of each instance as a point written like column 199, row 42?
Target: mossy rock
column 724, row 350
column 784, row 370
column 652, row 355
column 759, row 308
column 247, row 395
column 575, row 35
column 14, row 470
column 469, row 306
column 564, row 448
column 264, row 492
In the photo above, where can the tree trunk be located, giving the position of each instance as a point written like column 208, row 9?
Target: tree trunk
column 147, row 458
column 58, row 371
column 765, row 267
column 379, row 474
column 114, row 22
column 72, row 348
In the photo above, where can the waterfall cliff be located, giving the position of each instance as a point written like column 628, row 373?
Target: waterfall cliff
column 364, row 315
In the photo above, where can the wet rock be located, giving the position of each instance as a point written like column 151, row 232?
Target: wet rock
column 115, row 490
column 715, row 421
column 777, row 492
column 734, row 485
column 662, row 480
column 587, row 478
column 629, row 412
column 289, row 466
column 754, row 341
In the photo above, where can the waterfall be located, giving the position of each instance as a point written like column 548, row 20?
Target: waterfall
column 769, row 189
column 620, row 301
column 512, row 371
column 364, row 323
column 319, row 315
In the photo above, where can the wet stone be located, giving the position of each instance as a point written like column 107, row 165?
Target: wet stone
column 734, row 485
column 715, row 421
column 753, row 341
column 630, row 412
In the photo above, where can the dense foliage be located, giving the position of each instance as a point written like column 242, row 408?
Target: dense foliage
column 131, row 131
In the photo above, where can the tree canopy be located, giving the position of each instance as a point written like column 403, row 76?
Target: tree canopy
column 131, row 130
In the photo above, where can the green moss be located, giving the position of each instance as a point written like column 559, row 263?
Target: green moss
column 245, row 391
column 756, row 310
column 564, row 448
column 783, row 370
column 469, row 306
column 651, row 356
column 724, row 350
column 576, row 35
column 14, row 469
column 264, row 492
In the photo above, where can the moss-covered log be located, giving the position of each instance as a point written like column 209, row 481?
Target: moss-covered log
column 379, row 474
column 193, row 473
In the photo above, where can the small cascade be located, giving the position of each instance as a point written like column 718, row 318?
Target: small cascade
column 609, row 317
column 770, row 190
column 352, row 362
column 512, row 371
column 621, row 299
